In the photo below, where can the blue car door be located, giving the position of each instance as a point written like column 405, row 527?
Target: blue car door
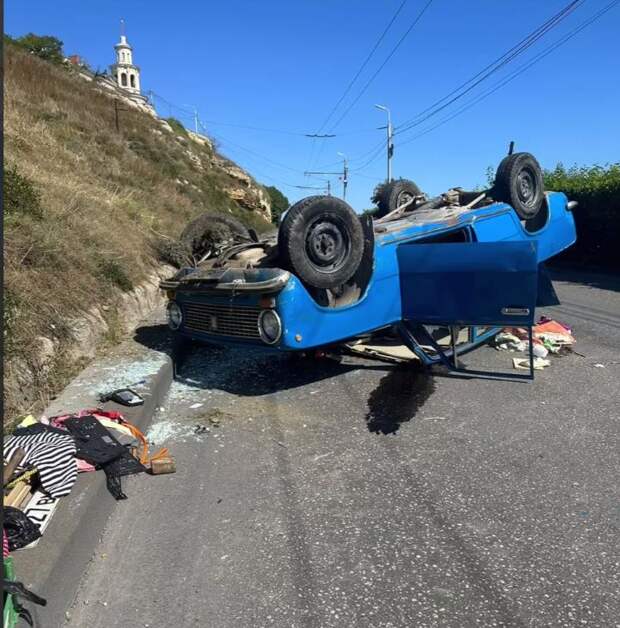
column 472, row 283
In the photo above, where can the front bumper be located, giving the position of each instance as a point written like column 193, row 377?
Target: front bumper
column 227, row 305
column 228, row 280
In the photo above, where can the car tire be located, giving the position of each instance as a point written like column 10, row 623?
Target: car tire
column 321, row 240
column 519, row 182
column 208, row 230
column 388, row 196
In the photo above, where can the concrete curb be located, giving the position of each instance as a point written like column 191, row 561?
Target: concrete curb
column 54, row 568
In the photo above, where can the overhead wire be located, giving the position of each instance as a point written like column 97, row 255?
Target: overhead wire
column 490, row 69
column 252, row 152
column 351, row 83
column 523, row 68
column 386, row 60
column 362, row 66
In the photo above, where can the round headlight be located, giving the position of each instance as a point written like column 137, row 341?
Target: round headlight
column 269, row 326
column 175, row 315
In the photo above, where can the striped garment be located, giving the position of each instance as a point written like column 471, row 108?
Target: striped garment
column 52, row 454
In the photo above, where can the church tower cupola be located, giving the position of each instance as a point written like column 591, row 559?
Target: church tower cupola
column 125, row 74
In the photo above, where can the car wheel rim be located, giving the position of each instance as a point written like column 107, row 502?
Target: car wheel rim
column 327, row 245
column 526, row 187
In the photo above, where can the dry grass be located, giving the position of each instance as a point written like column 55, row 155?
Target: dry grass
column 103, row 196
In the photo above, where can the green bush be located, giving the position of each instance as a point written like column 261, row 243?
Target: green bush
column 279, row 203
column 44, row 46
column 20, row 196
column 597, row 216
column 113, row 272
column 177, row 126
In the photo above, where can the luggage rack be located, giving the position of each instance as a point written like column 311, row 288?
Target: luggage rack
column 417, row 343
column 417, row 339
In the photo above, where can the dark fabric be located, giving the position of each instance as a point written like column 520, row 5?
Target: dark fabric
column 94, row 442
column 38, row 428
column 126, row 464
column 20, row 531
column 113, row 483
column 18, row 589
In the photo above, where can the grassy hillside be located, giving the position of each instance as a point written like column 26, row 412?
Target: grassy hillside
column 85, row 204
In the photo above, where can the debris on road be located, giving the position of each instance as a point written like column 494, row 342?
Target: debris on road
column 548, row 337
column 506, row 341
column 123, row 396
column 524, row 363
column 42, row 460
column 162, row 465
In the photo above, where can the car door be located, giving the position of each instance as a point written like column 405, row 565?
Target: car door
column 470, row 283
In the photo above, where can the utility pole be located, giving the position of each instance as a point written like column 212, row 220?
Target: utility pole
column 327, row 188
column 345, row 176
column 390, row 144
column 195, row 110
column 116, row 117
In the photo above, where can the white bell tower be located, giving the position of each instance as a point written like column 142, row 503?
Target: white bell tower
column 125, row 74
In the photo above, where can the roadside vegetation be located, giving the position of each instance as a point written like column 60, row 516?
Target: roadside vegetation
column 597, row 190
column 86, row 206
column 279, row 203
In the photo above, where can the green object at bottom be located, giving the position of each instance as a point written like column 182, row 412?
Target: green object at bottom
column 10, row 615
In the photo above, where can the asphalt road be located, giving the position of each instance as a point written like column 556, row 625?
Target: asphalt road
column 363, row 494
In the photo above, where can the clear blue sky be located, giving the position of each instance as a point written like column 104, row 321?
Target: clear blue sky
column 282, row 64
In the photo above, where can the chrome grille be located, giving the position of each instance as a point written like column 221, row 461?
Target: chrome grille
column 222, row 320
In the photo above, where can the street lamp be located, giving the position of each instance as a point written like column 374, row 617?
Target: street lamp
column 390, row 146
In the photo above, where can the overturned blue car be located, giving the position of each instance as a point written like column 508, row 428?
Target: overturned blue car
column 440, row 274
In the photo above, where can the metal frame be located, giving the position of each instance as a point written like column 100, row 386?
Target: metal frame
column 411, row 333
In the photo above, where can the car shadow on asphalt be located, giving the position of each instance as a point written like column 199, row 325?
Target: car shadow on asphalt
column 156, row 337
column 245, row 371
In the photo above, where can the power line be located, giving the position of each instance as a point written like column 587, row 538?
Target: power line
column 390, row 55
column 541, row 55
column 372, row 158
column 256, row 128
column 252, row 152
column 490, row 69
column 364, row 64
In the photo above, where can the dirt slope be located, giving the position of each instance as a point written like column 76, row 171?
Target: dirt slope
column 88, row 203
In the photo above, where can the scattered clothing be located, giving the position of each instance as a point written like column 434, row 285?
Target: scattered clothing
column 548, row 336
column 553, row 331
column 105, row 417
column 126, row 464
column 99, row 447
column 51, row 451
column 505, row 341
column 94, row 442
